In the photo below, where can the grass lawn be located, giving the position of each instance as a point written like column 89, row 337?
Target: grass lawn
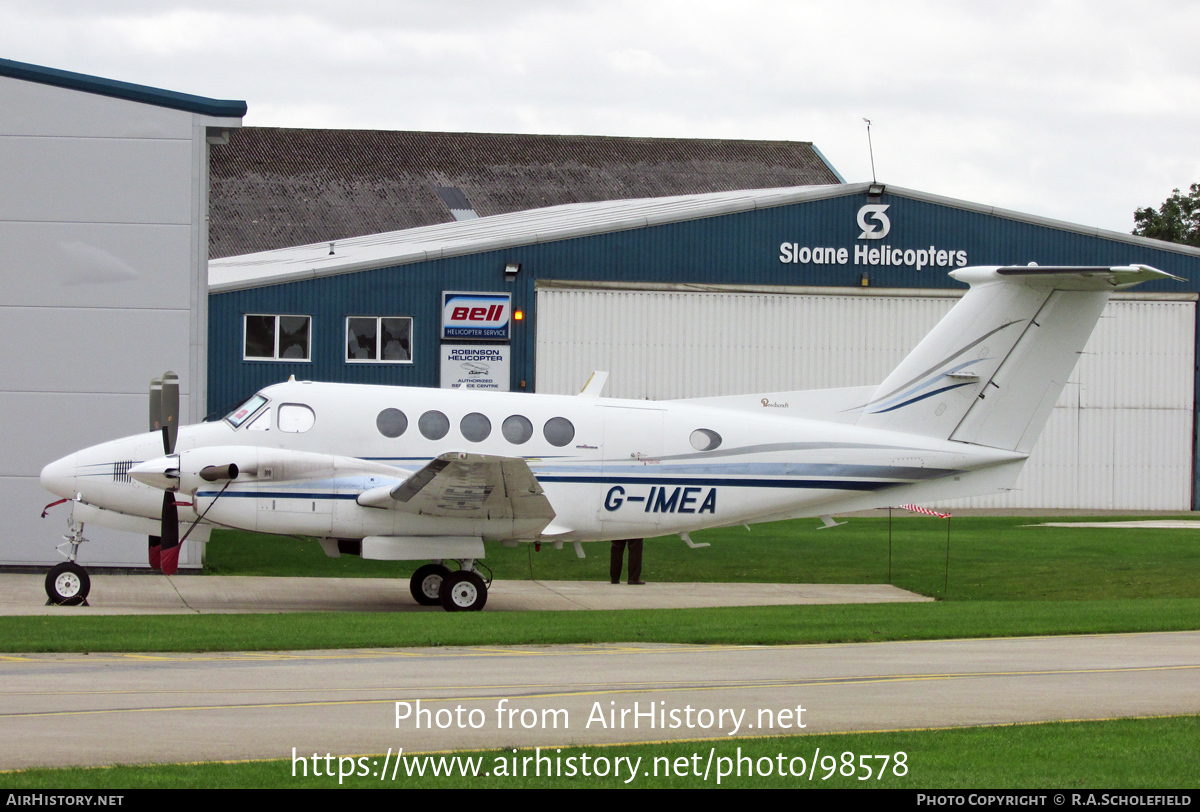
column 751, row 625
column 991, row 558
column 1126, row 753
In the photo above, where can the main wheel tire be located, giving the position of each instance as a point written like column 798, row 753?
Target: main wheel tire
column 68, row 584
column 426, row 584
column 463, row 591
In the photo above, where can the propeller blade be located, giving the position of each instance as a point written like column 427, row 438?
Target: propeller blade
column 169, row 555
column 170, row 409
column 155, row 553
column 156, row 404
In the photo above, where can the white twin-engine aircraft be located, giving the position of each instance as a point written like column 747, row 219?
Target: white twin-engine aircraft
column 396, row 473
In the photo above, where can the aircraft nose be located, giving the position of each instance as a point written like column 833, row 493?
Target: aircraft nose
column 59, row 477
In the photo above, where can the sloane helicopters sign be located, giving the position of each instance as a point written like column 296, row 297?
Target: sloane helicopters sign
column 876, row 225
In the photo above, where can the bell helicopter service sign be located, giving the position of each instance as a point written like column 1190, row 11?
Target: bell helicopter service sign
column 476, row 316
column 870, row 250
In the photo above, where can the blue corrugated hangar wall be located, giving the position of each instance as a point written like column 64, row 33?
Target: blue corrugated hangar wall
column 743, row 248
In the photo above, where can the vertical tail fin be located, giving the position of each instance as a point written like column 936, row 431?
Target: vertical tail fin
column 991, row 371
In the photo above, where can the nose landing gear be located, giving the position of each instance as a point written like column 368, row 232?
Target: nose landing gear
column 68, row 583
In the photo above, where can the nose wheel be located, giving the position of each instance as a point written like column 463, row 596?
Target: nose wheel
column 68, row 584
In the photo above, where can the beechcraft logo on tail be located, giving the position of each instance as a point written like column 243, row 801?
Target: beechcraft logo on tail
column 874, row 230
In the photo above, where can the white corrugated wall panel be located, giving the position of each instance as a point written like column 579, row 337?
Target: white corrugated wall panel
column 667, row 344
column 1119, row 438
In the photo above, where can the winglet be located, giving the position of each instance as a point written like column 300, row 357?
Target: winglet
column 594, row 384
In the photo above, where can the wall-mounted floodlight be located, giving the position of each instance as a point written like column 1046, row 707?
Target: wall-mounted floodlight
column 511, row 270
column 876, row 190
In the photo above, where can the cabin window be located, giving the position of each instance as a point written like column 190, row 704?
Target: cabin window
column 391, row 422
column 558, row 431
column 242, row 413
column 517, row 429
column 475, row 427
column 296, row 417
column 433, row 425
column 276, row 338
column 705, row 439
column 379, row 340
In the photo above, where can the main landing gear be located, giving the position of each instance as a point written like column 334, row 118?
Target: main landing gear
column 463, row 590
column 68, row 583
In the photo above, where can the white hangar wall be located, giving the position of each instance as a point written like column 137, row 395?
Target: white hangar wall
column 1120, row 436
column 103, row 257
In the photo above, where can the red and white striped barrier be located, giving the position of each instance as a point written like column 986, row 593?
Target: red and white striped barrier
column 926, row 511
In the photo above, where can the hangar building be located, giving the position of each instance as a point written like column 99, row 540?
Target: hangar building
column 104, row 231
column 724, row 293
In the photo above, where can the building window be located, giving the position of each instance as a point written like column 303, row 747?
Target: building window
column 277, row 338
column 379, row 340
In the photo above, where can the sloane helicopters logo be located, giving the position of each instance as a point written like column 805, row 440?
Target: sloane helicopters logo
column 878, row 229
column 876, row 225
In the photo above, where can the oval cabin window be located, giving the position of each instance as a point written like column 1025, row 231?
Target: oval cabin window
column 517, row 429
column 391, row 423
column 433, row 425
column 705, row 439
column 475, row 427
column 558, row 431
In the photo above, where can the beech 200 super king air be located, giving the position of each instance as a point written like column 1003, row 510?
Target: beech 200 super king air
column 435, row 474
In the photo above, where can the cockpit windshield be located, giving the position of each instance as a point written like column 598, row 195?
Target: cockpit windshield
column 244, row 412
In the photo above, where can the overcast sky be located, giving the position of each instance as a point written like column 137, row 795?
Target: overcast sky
column 1081, row 111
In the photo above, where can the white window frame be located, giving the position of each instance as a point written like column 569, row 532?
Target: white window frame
column 277, row 317
column 378, row 338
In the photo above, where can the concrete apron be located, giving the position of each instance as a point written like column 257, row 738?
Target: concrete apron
column 24, row 594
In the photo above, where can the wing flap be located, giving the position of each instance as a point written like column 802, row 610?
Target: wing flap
column 468, row 486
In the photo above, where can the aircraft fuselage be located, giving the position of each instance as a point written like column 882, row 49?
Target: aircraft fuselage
column 610, row 468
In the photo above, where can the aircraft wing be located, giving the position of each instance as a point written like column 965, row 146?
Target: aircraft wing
column 468, row 486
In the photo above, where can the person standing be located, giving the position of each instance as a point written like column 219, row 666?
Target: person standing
column 617, row 557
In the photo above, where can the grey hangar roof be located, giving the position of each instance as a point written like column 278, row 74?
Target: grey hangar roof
column 277, row 187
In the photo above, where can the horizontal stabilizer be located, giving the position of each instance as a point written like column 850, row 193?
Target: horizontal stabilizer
column 1083, row 277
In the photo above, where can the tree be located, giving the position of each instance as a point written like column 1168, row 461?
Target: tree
column 1177, row 219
